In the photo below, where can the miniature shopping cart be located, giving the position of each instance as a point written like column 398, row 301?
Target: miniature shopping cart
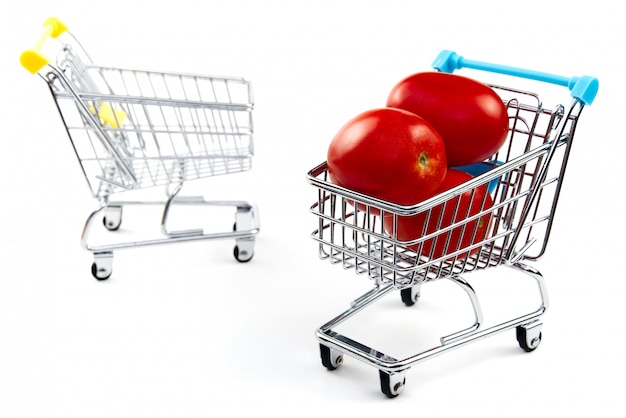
column 132, row 130
column 525, row 179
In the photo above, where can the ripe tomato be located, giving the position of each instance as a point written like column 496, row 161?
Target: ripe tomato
column 390, row 154
column 469, row 115
column 444, row 215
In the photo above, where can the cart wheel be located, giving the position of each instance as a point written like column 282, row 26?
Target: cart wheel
column 243, row 256
column 410, row 295
column 112, row 218
column 391, row 384
column 331, row 359
column 244, row 250
column 528, row 337
column 102, row 267
column 100, row 273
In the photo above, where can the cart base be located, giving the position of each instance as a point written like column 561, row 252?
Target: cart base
column 243, row 230
column 392, row 371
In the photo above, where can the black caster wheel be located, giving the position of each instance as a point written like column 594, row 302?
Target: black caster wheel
column 242, row 256
column 112, row 218
column 528, row 338
column 331, row 359
column 111, row 225
column 391, row 384
column 102, row 266
column 410, row 295
column 100, row 273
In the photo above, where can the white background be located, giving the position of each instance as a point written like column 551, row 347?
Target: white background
column 186, row 331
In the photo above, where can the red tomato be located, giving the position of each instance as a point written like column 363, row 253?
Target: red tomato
column 390, row 154
column 469, row 115
column 450, row 212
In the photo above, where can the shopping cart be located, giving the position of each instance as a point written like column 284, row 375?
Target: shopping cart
column 132, row 130
column 526, row 176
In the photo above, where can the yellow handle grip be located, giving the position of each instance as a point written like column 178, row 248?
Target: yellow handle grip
column 32, row 59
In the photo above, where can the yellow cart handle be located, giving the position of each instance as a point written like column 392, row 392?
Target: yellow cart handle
column 32, row 59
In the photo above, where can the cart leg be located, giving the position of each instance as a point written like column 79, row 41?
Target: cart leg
column 172, row 195
column 529, row 334
column 478, row 313
column 392, row 383
column 102, row 267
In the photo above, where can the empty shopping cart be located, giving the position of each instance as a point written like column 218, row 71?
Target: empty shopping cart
column 525, row 176
column 132, row 130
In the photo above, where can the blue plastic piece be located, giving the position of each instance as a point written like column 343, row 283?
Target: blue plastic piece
column 582, row 88
column 478, row 169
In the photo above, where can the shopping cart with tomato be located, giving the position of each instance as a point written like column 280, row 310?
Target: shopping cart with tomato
column 524, row 179
column 133, row 130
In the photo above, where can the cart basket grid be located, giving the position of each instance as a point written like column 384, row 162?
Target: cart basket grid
column 133, row 129
column 524, row 178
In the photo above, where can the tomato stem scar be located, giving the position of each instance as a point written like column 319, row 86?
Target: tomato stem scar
column 423, row 159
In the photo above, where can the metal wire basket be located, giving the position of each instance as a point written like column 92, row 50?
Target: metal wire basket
column 133, row 129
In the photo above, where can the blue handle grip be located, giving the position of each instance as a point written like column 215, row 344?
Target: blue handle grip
column 582, row 88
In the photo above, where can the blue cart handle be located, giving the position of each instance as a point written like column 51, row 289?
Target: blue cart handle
column 582, row 88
